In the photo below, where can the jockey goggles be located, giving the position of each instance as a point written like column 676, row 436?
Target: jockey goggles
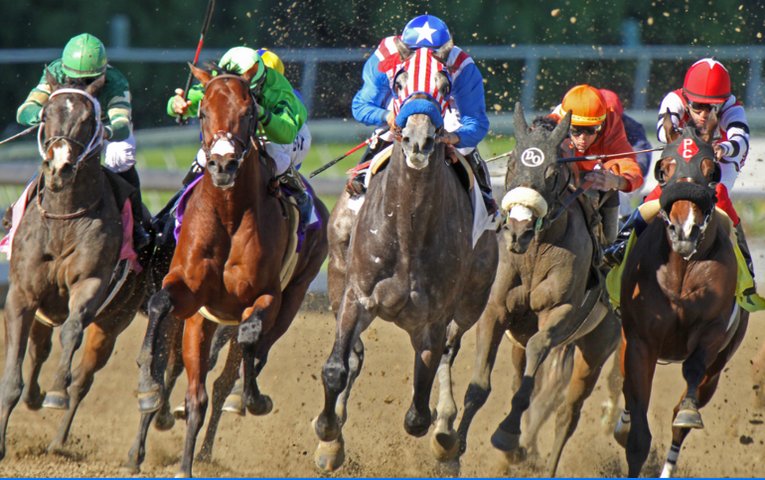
column 577, row 131
column 703, row 107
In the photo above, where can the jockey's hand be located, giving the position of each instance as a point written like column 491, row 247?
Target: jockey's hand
column 391, row 121
column 604, row 180
column 449, row 138
column 180, row 105
column 720, row 152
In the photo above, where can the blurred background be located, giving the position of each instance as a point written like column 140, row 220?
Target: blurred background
column 528, row 51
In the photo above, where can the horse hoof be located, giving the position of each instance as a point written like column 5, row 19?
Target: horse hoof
column 514, row 457
column 505, row 441
column 56, row 400
column 234, row 404
column 415, row 424
column 261, row 406
column 164, row 422
column 330, row 456
column 55, row 448
column 445, row 446
column 204, row 455
column 323, row 429
column 35, row 402
column 149, row 402
column 179, row 412
column 688, row 418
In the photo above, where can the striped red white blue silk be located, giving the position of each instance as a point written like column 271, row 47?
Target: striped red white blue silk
column 421, row 70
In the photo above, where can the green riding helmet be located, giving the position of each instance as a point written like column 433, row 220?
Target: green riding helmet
column 84, row 56
column 241, row 59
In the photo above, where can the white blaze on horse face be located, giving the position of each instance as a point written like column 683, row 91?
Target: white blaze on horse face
column 62, row 155
column 69, row 105
column 222, row 147
column 520, row 213
column 689, row 223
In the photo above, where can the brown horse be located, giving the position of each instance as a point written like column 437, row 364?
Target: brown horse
column 411, row 260
column 228, row 261
column 65, row 252
column 678, row 300
column 546, row 294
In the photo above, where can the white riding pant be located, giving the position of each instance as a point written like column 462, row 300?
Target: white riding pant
column 284, row 155
column 120, row 156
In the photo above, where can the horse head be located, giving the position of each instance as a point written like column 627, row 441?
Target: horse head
column 421, row 86
column 534, row 181
column 690, row 174
column 71, row 131
column 228, row 116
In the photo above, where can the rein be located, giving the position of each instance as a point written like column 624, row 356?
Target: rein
column 61, row 216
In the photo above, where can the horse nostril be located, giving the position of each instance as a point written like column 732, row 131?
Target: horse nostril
column 406, row 140
column 231, row 167
column 429, row 142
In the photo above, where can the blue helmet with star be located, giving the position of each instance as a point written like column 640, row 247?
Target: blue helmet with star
column 425, row 31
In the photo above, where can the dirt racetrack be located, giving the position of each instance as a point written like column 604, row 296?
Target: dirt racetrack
column 282, row 443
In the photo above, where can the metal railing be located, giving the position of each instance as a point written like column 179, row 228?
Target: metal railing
column 531, row 55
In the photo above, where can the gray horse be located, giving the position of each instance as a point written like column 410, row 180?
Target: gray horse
column 64, row 253
column 546, row 293
column 410, row 259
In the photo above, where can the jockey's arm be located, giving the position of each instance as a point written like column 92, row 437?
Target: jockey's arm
column 29, row 112
column 282, row 113
column 196, row 92
column 118, row 108
column 369, row 103
column 468, row 95
column 625, row 166
column 674, row 104
column 736, row 146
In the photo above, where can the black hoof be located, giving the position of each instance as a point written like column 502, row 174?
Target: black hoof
column 505, row 441
column 415, row 424
column 262, row 405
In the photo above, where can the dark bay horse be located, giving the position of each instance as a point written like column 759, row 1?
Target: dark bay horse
column 65, row 251
column 546, row 293
column 228, row 262
column 678, row 300
column 411, row 260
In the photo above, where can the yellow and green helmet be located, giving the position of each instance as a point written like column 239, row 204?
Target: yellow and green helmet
column 84, row 56
column 241, row 59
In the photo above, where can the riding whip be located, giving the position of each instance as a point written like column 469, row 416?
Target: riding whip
column 205, row 26
column 602, row 157
column 20, row 134
column 352, row 150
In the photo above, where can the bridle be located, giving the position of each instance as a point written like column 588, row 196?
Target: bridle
column 252, row 119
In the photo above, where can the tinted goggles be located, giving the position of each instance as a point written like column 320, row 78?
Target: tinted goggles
column 579, row 131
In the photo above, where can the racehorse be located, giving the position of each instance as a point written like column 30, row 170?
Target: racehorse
column 64, row 254
column 408, row 257
column 546, row 293
column 678, row 299
column 229, row 261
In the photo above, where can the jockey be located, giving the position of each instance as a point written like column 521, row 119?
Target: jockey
column 466, row 121
column 638, row 139
column 597, row 129
column 82, row 62
column 706, row 88
column 282, row 118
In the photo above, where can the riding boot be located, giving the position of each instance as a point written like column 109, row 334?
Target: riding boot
column 141, row 237
column 7, row 221
column 194, row 172
column 742, row 245
column 356, row 182
column 614, row 253
column 481, row 171
column 294, row 182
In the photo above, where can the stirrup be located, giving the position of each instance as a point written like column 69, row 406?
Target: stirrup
column 613, row 254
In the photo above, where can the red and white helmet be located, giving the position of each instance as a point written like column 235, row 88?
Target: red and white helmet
column 707, row 81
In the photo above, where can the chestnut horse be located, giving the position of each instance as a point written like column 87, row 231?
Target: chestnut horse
column 678, row 300
column 408, row 257
column 546, row 294
column 64, row 255
column 228, row 261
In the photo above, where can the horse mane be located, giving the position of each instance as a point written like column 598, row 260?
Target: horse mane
column 544, row 122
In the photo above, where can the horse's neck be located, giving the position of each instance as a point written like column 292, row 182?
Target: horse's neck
column 86, row 189
column 247, row 194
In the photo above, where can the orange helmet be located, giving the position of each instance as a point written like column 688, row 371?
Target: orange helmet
column 707, row 81
column 587, row 106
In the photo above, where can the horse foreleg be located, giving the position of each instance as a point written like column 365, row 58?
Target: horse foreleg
column 262, row 312
column 694, row 369
column 84, row 300
column 428, row 343
column 445, row 443
column 639, row 368
column 165, row 419
column 18, row 321
column 197, row 337
column 40, row 345
column 352, row 320
column 489, row 331
column 99, row 345
column 221, row 389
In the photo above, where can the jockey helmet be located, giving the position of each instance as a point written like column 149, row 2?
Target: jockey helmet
column 425, row 31
column 587, row 106
column 707, row 81
column 241, row 59
column 271, row 60
column 84, row 56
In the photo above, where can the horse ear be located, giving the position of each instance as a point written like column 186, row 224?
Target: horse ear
column 403, row 51
column 519, row 119
column 561, row 130
column 202, row 75
column 670, row 132
column 94, row 87
column 442, row 54
column 50, row 79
